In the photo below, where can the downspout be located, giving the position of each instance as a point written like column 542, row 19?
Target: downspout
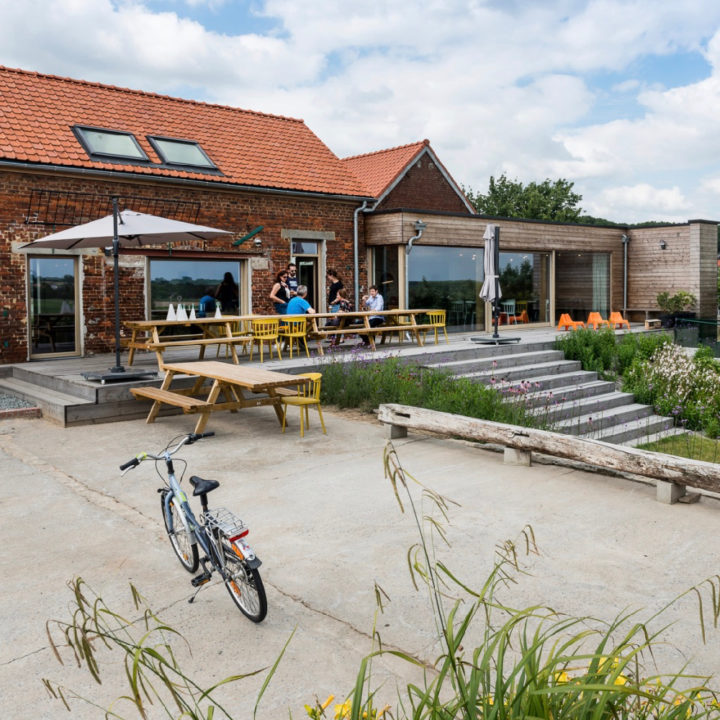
column 419, row 228
column 356, row 273
column 625, row 242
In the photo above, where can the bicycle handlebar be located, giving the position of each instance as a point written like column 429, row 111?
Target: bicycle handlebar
column 187, row 440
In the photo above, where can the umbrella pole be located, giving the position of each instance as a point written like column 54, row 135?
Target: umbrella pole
column 116, row 267
column 496, row 300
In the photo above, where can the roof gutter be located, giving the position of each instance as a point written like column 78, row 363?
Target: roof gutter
column 125, row 177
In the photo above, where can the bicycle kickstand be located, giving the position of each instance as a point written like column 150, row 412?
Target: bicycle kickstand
column 200, row 580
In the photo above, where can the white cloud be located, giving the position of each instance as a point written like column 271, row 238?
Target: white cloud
column 497, row 86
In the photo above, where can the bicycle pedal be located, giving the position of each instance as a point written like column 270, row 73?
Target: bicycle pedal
column 200, row 579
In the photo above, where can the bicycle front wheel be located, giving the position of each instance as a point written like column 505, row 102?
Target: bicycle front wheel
column 244, row 584
column 180, row 539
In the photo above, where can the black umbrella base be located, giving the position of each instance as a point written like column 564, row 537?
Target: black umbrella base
column 490, row 340
column 120, row 374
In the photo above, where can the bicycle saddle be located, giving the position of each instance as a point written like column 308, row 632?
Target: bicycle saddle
column 202, row 486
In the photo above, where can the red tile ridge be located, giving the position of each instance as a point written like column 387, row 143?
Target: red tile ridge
column 418, row 144
column 90, row 83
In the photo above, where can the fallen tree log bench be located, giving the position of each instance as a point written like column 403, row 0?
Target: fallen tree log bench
column 672, row 474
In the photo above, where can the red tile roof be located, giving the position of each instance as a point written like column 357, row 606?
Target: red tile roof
column 37, row 113
column 378, row 170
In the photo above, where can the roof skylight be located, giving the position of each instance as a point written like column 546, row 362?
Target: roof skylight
column 112, row 144
column 181, row 152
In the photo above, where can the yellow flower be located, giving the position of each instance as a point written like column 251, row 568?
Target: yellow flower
column 620, row 680
column 561, row 677
column 330, row 698
column 343, row 711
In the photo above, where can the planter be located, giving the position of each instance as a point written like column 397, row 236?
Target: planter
column 676, row 319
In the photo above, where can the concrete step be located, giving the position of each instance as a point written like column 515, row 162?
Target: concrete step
column 572, row 391
column 593, row 424
column 498, row 363
column 654, row 437
column 529, row 373
column 555, row 411
column 634, row 432
column 54, row 404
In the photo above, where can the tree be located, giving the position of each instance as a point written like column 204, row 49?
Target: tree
column 548, row 200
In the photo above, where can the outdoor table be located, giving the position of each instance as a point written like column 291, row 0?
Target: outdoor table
column 358, row 322
column 230, row 381
column 153, row 335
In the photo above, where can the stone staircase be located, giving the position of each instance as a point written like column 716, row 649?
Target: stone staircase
column 567, row 399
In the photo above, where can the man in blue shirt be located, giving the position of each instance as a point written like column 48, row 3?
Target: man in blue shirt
column 298, row 305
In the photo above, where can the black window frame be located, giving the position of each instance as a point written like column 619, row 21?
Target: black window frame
column 78, row 131
column 211, row 166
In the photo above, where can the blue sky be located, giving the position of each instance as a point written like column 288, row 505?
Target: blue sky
column 618, row 96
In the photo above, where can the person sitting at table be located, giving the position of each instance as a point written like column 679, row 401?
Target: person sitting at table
column 373, row 301
column 207, row 305
column 299, row 305
column 280, row 293
column 341, row 305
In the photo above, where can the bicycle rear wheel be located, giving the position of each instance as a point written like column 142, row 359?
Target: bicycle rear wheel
column 244, row 584
column 180, row 539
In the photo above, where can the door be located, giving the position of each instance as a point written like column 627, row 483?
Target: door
column 53, row 306
column 307, row 259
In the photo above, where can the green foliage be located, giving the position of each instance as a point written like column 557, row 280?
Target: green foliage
column 547, row 200
column 367, row 383
column 600, row 350
column 681, row 301
column 684, row 388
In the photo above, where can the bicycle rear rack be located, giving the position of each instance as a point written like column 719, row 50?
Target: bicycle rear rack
column 225, row 521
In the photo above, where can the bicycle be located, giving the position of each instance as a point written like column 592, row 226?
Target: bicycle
column 219, row 533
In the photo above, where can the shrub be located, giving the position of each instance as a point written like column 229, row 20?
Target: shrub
column 366, row 383
column 681, row 301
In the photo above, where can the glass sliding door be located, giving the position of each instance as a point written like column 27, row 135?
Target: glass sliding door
column 186, row 281
column 53, row 306
column 582, row 284
column 525, row 287
column 448, row 278
column 385, row 275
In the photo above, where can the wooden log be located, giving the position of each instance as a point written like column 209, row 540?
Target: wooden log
column 682, row 471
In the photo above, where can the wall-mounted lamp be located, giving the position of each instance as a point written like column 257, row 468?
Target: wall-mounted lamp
column 257, row 241
column 254, row 234
column 663, row 245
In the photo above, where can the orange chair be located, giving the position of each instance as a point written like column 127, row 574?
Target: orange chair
column 616, row 319
column 566, row 322
column 523, row 317
column 595, row 319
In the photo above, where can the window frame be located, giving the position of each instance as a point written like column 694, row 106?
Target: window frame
column 79, row 130
column 152, row 139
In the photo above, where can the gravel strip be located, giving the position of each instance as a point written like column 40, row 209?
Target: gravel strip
column 10, row 402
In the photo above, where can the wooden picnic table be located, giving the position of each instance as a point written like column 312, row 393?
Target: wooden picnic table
column 154, row 335
column 230, row 383
column 358, row 323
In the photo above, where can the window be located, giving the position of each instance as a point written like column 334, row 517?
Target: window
column 582, row 284
column 188, row 281
column 181, row 152
column 100, row 143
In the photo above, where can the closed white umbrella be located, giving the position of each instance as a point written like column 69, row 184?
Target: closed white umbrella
column 126, row 229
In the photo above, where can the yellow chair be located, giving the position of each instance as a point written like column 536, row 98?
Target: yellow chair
column 308, row 394
column 293, row 329
column 595, row 319
column 265, row 330
column 438, row 319
column 238, row 328
column 616, row 319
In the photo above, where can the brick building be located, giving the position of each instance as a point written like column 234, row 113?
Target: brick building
column 395, row 218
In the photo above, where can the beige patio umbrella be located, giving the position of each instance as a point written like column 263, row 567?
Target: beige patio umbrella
column 126, row 229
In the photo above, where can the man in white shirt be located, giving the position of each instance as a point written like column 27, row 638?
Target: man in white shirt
column 373, row 301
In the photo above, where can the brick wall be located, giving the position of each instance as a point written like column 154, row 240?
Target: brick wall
column 424, row 187
column 237, row 211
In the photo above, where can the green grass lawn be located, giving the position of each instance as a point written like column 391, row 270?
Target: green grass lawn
column 688, row 445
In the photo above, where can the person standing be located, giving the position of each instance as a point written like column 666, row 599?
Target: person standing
column 373, row 301
column 335, row 285
column 227, row 294
column 292, row 281
column 280, row 293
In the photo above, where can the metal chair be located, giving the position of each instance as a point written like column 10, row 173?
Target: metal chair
column 308, row 395
column 293, row 329
column 265, row 330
